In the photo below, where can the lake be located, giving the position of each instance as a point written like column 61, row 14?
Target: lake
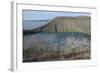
column 31, row 24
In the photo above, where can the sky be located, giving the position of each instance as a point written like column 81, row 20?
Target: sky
column 45, row 15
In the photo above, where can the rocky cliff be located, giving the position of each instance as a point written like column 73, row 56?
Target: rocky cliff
column 67, row 24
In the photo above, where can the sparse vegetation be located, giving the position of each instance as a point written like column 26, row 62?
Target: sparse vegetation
column 50, row 47
column 72, row 54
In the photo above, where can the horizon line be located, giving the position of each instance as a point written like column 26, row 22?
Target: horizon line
column 56, row 17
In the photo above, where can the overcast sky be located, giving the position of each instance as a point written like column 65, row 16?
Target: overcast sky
column 45, row 15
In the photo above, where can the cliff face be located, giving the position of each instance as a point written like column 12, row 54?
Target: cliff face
column 67, row 24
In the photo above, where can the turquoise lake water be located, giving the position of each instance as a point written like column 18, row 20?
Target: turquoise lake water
column 57, row 39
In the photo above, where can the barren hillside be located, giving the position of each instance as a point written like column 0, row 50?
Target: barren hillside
column 67, row 24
